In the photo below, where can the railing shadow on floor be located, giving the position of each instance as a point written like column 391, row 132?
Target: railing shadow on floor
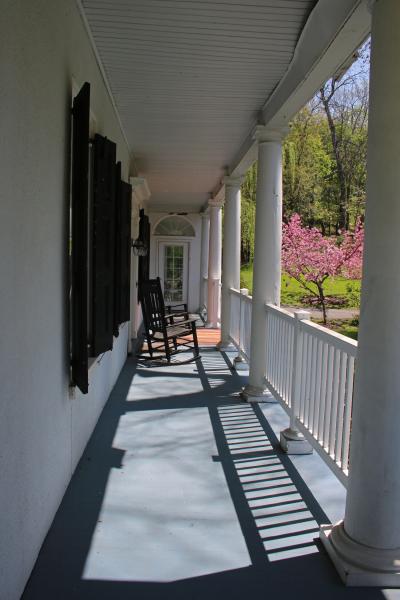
column 277, row 513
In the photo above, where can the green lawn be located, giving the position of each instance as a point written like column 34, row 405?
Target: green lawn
column 292, row 293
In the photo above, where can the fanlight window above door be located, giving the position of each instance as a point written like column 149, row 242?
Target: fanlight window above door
column 175, row 226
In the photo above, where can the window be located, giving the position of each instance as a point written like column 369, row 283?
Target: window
column 174, row 226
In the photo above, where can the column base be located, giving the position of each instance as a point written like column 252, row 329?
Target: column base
column 294, row 442
column 357, row 564
column 252, row 393
column 224, row 346
column 210, row 325
column 239, row 364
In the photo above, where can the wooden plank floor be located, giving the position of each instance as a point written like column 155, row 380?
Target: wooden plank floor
column 208, row 337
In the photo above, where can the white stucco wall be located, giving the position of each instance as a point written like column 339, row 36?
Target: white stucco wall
column 193, row 259
column 43, row 431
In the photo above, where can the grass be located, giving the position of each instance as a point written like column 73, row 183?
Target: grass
column 292, row 292
column 348, row 327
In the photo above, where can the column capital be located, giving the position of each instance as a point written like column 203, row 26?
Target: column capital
column 140, row 188
column 263, row 134
column 216, row 202
column 234, row 181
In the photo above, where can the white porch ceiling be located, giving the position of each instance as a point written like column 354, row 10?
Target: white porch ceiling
column 189, row 79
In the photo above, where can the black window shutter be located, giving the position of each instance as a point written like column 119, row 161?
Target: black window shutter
column 79, row 216
column 125, row 252
column 144, row 261
column 103, row 243
column 117, row 258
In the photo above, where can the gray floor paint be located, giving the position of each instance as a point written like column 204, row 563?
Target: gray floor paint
column 182, row 493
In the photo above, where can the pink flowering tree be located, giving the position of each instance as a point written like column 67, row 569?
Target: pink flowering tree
column 310, row 258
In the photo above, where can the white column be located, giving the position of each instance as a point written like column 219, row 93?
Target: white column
column 267, row 254
column 205, row 241
column 231, row 252
column 214, row 263
column 366, row 546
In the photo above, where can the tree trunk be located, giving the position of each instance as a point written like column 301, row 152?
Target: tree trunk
column 343, row 221
column 322, row 302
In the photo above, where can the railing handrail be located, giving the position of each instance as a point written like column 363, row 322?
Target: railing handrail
column 282, row 312
column 333, row 337
column 234, row 292
column 323, row 333
column 245, row 297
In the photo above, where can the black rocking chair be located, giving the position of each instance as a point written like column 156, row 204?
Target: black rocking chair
column 170, row 332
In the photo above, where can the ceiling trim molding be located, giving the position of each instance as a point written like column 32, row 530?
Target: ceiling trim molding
column 140, row 189
column 103, row 75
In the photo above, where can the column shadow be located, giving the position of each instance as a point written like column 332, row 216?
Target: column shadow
column 277, row 513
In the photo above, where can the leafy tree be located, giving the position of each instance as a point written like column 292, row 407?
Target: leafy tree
column 306, row 167
column 344, row 101
column 310, row 258
column 324, row 159
column 248, row 214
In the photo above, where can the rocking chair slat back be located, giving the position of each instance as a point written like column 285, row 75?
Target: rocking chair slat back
column 153, row 307
column 170, row 331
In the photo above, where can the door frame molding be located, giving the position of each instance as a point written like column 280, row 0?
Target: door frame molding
column 174, row 241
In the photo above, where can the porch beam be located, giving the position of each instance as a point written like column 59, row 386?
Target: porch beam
column 365, row 547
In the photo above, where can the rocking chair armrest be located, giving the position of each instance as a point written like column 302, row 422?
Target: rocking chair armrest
column 191, row 321
column 177, row 314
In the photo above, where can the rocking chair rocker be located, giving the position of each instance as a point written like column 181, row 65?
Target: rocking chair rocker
column 172, row 332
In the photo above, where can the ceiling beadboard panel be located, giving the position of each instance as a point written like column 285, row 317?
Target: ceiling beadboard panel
column 189, row 78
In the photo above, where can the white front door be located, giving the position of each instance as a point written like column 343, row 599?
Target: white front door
column 173, row 271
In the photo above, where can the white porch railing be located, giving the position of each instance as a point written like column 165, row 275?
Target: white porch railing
column 310, row 370
column 240, row 321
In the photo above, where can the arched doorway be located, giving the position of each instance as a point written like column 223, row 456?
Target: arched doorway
column 173, row 235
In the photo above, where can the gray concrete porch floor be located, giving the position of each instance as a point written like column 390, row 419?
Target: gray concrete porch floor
column 183, row 493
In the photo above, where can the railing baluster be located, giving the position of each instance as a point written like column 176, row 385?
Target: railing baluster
column 334, row 403
column 340, row 410
column 284, row 359
column 303, row 374
column 347, row 414
column 317, row 388
column 279, row 363
column 322, row 393
column 308, row 382
column 314, row 342
column 289, row 370
column 281, row 354
column 328, row 403
column 273, row 348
